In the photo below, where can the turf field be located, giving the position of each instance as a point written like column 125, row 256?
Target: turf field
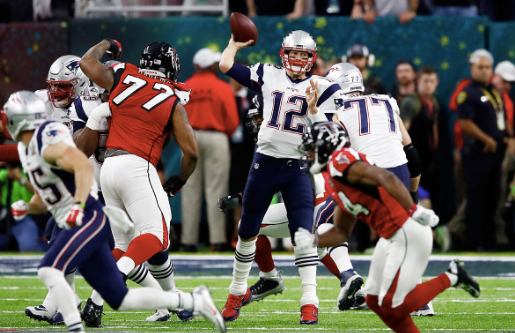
column 455, row 309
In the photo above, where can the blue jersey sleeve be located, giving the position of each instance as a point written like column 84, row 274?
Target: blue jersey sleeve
column 249, row 77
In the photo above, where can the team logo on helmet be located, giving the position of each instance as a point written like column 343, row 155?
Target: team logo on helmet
column 73, row 66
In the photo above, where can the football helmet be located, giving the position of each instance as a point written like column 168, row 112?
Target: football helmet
column 319, row 142
column 300, row 41
column 255, row 115
column 66, row 81
column 160, row 59
column 25, row 111
column 347, row 76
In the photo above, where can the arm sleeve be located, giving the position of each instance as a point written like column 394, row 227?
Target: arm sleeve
column 251, row 77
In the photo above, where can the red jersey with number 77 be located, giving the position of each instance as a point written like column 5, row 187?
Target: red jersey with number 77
column 142, row 109
column 371, row 204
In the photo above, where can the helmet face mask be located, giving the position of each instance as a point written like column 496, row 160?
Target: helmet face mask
column 24, row 111
column 66, row 81
column 161, row 60
column 301, row 41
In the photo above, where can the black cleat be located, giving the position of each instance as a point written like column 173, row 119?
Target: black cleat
column 267, row 286
column 350, row 283
column 92, row 314
column 465, row 281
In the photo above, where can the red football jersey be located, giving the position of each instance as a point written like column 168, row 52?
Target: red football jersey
column 371, row 204
column 142, row 109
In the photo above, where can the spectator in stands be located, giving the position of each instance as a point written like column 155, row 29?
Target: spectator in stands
column 482, row 119
column 405, row 10
column 419, row 112
column 319, row 67
column 213, row 115
column 360, row 56
column 291, row 8
column 454, row 7
column 405, row 80
column 242, row 149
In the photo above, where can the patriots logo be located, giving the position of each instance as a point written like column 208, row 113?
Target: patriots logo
column 338, row 103
column 55, row 132
column 334, row 69
column 73, row 66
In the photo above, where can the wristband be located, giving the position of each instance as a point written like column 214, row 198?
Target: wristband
column 412, row 210
column 83, row 205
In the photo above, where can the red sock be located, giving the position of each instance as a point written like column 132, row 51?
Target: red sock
column 143, row 248
column 393, row 318
column 425, row 292
column 331, row 265
column 117, row 254
column 263, row 257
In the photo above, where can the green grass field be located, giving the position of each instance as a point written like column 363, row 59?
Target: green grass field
column 455, row 310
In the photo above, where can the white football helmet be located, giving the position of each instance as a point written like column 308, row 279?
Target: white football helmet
column 348, row 76
column 301, row 41
column 66, row 81
column 25, row 111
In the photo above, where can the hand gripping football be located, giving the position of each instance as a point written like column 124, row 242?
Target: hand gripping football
column 243, row 28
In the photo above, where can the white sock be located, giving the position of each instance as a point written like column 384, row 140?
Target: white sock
column 49, row 303
column 272, row 273
column 322, row 252
column 141, row 276
column 243, row 259
column 164, row 275
column 63, row 294
column 96, row 298
column 307, row 262
column 125, row 265
column 453, row 278
column 70, row 278
column 340, row 255
column 151, row 299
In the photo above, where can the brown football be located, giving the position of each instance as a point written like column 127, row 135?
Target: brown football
column 243, row 28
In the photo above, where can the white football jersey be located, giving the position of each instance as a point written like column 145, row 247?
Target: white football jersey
column 55, row 185
column 373, row 127
column 285, row 109
column 80, row 110
column 57, row 114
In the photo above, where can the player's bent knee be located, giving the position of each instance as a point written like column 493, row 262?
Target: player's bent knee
column 158, row 258
column 50, row 276
column 248, row 239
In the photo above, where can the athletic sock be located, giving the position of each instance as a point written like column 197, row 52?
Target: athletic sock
column 424, row 292
column 307, row 261
column 164, row 275
column 263, row 257
column 271, row 274
column 49, row 303
column 243, row 258
column 453, row 278
column 117, row 254
column 340, row 255
column 140, row 250
column 96, row 298
column 331, row 266
column 125, row 265
column 70, row 278
column 151, row 299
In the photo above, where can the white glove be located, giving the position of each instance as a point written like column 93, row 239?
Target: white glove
column 183, row 96
column 305, row 240
column 424, row 216
column 101, row 111
column 19, row 210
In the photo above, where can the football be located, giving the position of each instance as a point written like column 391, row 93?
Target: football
column 243, row 28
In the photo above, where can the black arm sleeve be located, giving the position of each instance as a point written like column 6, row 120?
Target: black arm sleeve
column 413, row 160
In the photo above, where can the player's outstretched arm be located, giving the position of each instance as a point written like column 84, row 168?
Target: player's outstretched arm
column 361, row 172
column 73, row 160
column 227, row 59
column 186, row 140
column 341, row 231
column 94, row 69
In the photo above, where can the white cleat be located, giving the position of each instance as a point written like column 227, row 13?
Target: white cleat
column 203, row 304
column 159, row 315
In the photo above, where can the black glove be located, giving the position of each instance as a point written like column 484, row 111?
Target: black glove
column 229, row 202
column 173, row 185
column 115, row 48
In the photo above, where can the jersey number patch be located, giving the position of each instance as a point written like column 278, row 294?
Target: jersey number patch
column 363, row 113
column 300, row 109
column 52, row 200
column 352, row 208
column 135, row 83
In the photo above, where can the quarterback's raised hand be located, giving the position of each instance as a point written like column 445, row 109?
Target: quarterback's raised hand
column 312, row 96
column 229, row 202
column 75, row 215
column 424, row 216
column 305, row 240
column 115, row 48
column 173, row 185
column 19, row 210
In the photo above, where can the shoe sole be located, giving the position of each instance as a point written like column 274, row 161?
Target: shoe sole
column 164, row 318
column 210, row 304
column 31, row 315
column 347, row 301
column 277, row 290
column 308, row 322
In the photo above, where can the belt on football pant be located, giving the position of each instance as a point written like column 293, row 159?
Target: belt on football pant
column 116, row 152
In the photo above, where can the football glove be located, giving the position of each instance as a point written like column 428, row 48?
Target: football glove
column 229, row 202
column 75, row 215
column 115, row 48
column 19, row 210
column 424, row 216
column 173, row 185
column 305, row 240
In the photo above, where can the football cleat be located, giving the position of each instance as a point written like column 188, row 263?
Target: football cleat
column 351, row 282
column 91, row 314
column 159, row 315
column 205, row 305
column 309, row 315
column 465, row 281
column 39, row 313
column 266, row 286
column 359, row 301
column 233, row 305
column 425, row 311
column 183, row 315
column 58, row 319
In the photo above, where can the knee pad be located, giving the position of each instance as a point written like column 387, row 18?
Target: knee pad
column 158, row 258
column 323, row 228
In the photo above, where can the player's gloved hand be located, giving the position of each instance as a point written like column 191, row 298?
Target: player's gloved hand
column 75, row 215
column 115, row 48
column 182, row 91
column 305, row 240
column 173, row 185
column 424, row 216
column 229, row 202
column 95, row 117
column 19, row 210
